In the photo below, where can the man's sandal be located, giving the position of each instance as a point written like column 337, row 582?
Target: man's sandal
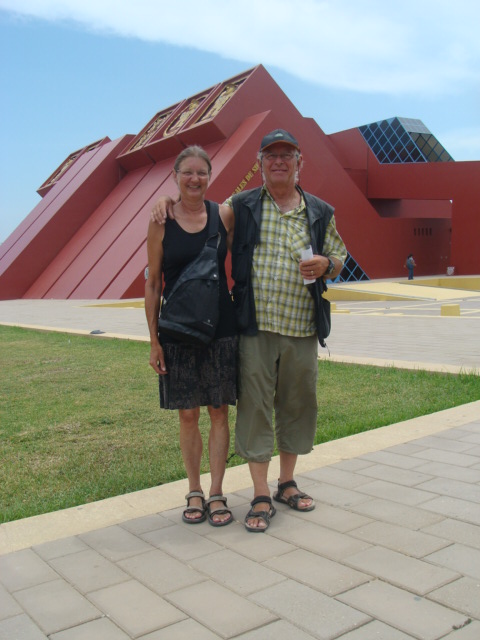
column 192, row 510
column 261, row 515
column 218, row 512
column 292, row 501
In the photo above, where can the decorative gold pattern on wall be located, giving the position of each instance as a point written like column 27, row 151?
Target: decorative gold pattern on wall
column 184, row 116
column 222, row 99
column 150, row 132
column 56, row 176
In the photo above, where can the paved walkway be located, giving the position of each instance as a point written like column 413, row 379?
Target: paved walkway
column 391, row 552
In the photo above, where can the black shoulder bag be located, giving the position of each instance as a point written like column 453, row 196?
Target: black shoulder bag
column 191, row 312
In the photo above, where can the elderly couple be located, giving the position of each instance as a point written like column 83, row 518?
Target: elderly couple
column 271, row 327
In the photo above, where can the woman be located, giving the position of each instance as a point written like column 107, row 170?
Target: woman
column 194, row 376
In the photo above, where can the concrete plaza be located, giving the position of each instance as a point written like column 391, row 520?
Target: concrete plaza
column 392, row 550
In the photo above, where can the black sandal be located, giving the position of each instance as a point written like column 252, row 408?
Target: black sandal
column 218, row 512
column 262, row 515
column 292, row 501
column 201, row 510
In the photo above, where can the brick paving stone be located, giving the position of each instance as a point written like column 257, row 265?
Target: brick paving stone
column 473, row 438
column 458, row 557
column 336, row 477
column 461, row 595
column 396, row 492
column 376, row 631
column 219, row 609
column 456, row 433
column 403, row 610
column 395, row 513
column 20, row 628
column 134, row 608
column 181, row 542
column 353, row 464
column 332, row 517
column 8, row 605
column 456, row 531
column 256, row 547
column 55, row 606
column 412, row 543
column 320, row 573
column 278, row 630
column 23, row 569
column 318, row 539
column 88, row 570
column 436, row 455
column 242, row 575
column 454, row 508
column 138, row 526
column 115, row 543
column 444, row 444
column 400, row 570
column 405, row 449
column 311, row 611
column 470, row 631
column 407, row 477
column 160, row 572
column 336, row 496
column 392, row 459
column 453, row 489
column 58, row 548
column 184, row 630
column 443, row 470
column 102, row 629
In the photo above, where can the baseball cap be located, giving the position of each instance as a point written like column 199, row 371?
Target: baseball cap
column 278, row 135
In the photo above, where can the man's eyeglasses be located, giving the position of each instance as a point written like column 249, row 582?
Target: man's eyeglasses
column 285, row 157
column 190, row 174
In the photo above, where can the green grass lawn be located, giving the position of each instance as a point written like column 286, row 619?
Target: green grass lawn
column 80, row 418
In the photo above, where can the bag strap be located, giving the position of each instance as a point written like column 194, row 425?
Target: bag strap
column 213, row 223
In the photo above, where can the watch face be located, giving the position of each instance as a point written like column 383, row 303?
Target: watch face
column 331, row 266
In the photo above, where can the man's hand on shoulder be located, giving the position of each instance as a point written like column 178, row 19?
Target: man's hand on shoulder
column 161, row 209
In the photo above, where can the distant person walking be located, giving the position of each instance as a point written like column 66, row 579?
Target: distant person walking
column 410, row 264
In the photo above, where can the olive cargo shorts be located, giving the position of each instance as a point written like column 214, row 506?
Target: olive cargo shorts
column 277, row 374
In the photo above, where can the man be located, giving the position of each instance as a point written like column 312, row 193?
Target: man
column 410, row 264
column 279, row 319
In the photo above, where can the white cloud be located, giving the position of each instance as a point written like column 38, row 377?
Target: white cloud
column 417, row 46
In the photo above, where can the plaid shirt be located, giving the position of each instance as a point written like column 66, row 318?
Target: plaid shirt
column 283, row 303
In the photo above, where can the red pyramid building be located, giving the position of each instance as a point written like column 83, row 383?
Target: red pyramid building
column 86, row 239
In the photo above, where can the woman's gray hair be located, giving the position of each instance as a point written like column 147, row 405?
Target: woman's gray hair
column 193, row 151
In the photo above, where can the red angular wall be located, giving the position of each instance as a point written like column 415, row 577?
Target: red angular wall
column 87, row 237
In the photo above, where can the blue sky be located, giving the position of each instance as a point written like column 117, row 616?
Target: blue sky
column 74, row 71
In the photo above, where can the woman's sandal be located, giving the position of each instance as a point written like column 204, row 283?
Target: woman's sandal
column 261, row 515
column 292, row 501
column 201, row 510
column 218, row 512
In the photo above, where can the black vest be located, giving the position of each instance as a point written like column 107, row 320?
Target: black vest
column 247, row 207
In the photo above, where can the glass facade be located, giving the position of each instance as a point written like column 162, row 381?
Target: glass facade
column 351, row 272
column 398, row 140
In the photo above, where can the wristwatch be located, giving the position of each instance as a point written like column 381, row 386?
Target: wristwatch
column 331, row 267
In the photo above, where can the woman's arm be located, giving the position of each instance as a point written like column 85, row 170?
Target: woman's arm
column 153, row 292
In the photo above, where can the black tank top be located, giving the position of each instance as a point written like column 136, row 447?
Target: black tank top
column 179, row 249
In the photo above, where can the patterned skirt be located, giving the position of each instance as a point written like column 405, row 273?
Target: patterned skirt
column 199, row 376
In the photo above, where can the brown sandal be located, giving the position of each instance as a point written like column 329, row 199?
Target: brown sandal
column 201, row 510
column 262, row 515
column 292, row 501
column 218, row 512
